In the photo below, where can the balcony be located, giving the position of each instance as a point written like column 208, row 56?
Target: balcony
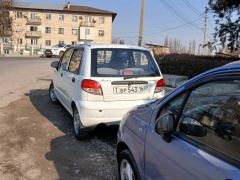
column 7, row 33
column 33, row 34
column 36, row 21
column 87, row 24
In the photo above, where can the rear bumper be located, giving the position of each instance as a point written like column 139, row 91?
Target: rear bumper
column 93, row 113
column 48, row 52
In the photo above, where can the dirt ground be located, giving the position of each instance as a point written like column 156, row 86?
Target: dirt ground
column 36, row 138
column 37, row 142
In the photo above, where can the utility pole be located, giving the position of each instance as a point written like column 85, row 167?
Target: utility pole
column 140, row 36
column 205, row 47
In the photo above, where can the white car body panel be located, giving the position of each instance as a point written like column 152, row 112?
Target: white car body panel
column 96, row 109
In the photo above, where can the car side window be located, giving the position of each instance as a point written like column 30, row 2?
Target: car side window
column 211, row 116
column 75, row 62
column 64, row 60
column 174, row 106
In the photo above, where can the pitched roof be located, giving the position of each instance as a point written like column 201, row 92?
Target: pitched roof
column 72, row 9
column 87, row 9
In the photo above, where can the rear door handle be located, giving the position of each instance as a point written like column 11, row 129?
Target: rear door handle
column 73, row 79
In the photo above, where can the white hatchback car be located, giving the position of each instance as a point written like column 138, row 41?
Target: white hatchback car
column 100, row 83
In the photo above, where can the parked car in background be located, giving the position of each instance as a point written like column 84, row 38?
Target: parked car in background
column 57, row 50
column 100, row 83
column 192, row 133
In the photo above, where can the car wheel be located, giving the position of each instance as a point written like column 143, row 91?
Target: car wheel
column 61, row 53
column 52, row 95
column 48, row 56
column 127, row 167
column 80, row 132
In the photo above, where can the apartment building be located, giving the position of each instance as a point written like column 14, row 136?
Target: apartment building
column 43, row 27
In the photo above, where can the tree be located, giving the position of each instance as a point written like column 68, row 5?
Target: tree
column 166, row 41
column 5, row 19
column 193, row 47
column 227, row 14
column 190, row 48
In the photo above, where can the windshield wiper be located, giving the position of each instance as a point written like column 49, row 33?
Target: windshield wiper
column 130, row 77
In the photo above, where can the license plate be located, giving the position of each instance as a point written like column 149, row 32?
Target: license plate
column 129, row 89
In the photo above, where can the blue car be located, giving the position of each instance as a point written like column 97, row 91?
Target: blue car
column 192, row 133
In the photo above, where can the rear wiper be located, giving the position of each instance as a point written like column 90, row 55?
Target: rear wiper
column 130, row 77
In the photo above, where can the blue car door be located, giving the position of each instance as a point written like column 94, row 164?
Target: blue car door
column 206, row 144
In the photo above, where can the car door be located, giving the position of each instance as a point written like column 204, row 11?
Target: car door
column 206, row 144
column 59, row 76
column 72, row 79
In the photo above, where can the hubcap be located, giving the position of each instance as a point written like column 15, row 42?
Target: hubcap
column 52, row 95
column 126, row 171
column 76, row 121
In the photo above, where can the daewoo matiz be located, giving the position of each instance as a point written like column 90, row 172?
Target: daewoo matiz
column 100, row 83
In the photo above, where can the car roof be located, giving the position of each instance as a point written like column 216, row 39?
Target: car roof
column 122, row 46
column 233, row 63
column 231, row 68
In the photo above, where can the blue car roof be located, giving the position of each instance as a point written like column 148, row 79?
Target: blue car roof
column 220, row 71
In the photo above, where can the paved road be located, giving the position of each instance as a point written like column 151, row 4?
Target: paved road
column 18, row 75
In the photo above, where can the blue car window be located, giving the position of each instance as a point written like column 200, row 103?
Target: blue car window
column 211, row 116
column 174, row 106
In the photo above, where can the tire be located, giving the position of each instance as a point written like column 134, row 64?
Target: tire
column 52, row 95
column 80, row 132
column 125, row 161
column 48, row 56
column 61, row 53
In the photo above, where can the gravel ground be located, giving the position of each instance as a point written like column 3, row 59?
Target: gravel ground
column 37, row 141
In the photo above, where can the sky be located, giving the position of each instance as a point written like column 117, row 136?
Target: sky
column 160, row 20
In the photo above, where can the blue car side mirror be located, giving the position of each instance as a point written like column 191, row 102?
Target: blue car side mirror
column 165, row 126
column 54, row 64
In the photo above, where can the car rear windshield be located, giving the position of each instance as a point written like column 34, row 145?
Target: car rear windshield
column 115, row 62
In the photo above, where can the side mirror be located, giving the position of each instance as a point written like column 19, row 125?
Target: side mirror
column 165, row 126
column 192, row 127
column 54, row 64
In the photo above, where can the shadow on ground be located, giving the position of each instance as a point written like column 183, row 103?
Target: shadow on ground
column 90, row 159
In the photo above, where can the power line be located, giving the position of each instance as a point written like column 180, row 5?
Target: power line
column 165, row 30
column 187, row 3
column 176, row 13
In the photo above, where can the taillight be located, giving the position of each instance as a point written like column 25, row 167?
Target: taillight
column 159, row 86
column 92, row 87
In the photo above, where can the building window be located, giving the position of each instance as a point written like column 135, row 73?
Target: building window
column 74, row 42
column 88, row 19
column 19, row 41
column 48, row 16
column 33, row 28
column 48, row 42
column 34, row 41
column 74, row 31
column 87, row 31
column 47, row 30
column 100, row 33
column 101, row 20
column 33, row 15
column 74, row 18
column 60, row 30
column 19, row 14
column 19, row 28
column 61, row 17
column 61, row 42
